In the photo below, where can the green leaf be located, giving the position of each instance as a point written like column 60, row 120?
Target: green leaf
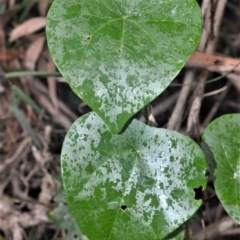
column 222, row 136
column 118, row 55
column 137, row 185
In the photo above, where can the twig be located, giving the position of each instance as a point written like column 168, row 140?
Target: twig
column 215, row 107
column 176, row 117
column 217, row 229
column 235, row 80
column 220, row 90
column 64, row 120
column 22, row 148
column 212, row 18
column 164, row 105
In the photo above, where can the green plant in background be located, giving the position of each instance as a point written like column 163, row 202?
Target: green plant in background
column 222, row 137
column 124, row 179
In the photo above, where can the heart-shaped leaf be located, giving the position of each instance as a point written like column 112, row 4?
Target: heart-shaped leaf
column 222, row 136
column 138, row 185
column 118, row 55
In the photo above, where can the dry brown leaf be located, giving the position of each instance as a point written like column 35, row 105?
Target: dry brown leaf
column 11, row 4
column 213, row 63
column 9, row 219
column 2, row 1
column 14, row 220
column 9, row 55
column 43, row 6
column 52, row 83
column 33, row 52
column 2, row 37
column 29, row 26
column 6, row 55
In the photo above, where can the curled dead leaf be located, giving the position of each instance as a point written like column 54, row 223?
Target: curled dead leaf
column 33, row 52
column 29, row 26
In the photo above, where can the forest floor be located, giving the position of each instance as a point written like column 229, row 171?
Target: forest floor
column 37, row 107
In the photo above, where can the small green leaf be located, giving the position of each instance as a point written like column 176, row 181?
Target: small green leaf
column 118, row 55
column 138, row 185
column 222, row 136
